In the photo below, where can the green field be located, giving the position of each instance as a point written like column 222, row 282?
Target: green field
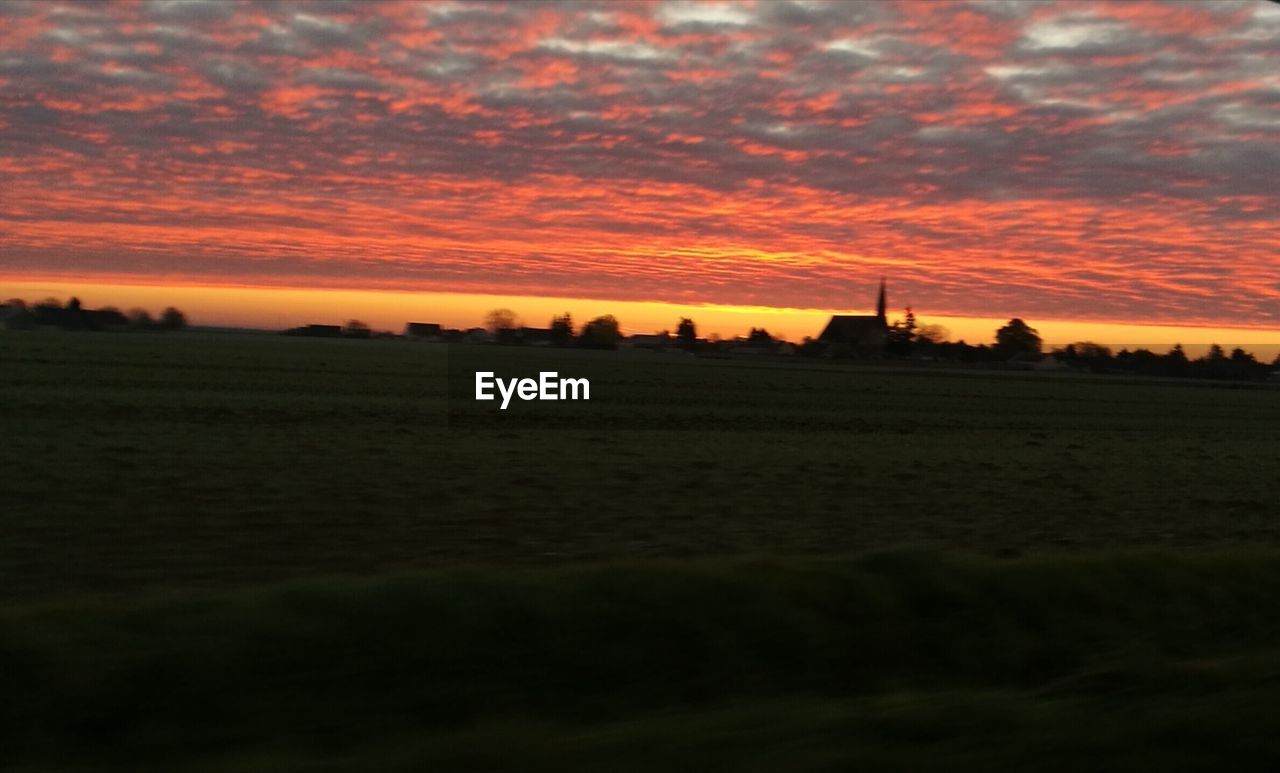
column 247, row 552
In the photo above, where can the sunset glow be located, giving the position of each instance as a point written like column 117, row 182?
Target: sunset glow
column 279, row 308
column 1090, row 167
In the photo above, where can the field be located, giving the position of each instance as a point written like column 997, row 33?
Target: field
column 251, row 552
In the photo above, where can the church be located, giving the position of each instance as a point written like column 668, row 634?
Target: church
column 859, row 333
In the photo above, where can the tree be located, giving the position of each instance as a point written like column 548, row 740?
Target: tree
column 17, row 304
column 909, row 322
column 686, row 333
column 1213, row 365
column 901, row 335
column 173, row 319
column 1017, row 337
column 1096, row 357
column 600, row 333
column 561, row 329
column 1175, row 362
column 500, row 319
column 1088, row 350
column 1241, row 357
column 1142, row 361
column 141, row 319
column 933, row 334
column 356, row 329
column 1245, row 366
column 759, row 335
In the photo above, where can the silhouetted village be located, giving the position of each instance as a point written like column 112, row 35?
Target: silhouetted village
column 865, row 338
column 50, row 314
column 853, row 338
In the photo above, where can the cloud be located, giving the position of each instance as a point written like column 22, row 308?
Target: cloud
column 1100, row 160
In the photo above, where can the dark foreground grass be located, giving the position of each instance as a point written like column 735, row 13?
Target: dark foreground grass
column 524, row 605
column 903, row 660
column 136, row 462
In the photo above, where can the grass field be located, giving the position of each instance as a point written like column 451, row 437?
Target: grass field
column 252, row 552
column 134, row 461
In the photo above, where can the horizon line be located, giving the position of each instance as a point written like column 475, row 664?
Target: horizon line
column 269, row 307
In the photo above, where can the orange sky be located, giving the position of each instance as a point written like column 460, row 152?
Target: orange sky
column 1093, row 163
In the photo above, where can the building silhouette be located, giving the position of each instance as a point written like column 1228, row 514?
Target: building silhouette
column 859, row 334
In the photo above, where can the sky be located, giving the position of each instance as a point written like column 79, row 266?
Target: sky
column 1063, row 162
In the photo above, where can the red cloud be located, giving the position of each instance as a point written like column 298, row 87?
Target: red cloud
column 1091, row 160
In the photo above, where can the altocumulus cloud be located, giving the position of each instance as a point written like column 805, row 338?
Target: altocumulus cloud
column 1106, row 160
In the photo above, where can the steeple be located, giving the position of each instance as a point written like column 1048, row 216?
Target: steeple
column 880, row 305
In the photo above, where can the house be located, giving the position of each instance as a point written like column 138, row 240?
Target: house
column 108, row 319
column 17, row 318
column 535, row 336
column 655, row 342
column 523, row 336
column 423, row 331
column 50, row 316
column 69, row 317
column 858, row 334
column 316, row 331
column 751, row 348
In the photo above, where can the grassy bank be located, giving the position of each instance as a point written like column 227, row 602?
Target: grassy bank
column 1160, row 658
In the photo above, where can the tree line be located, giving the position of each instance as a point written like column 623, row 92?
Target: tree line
column 18, row 313
column 908, row 338
column 600, row 333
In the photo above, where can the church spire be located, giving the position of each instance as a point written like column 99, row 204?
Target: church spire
column 880, row 304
